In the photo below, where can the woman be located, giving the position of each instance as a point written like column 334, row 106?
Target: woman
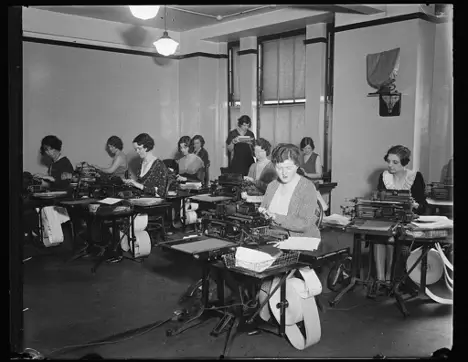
column 291, row 200
column 398, row 177
column 119, row 165
column 60, row 171
column 191, row 167
column 241, row 151
column 262, row 172
column 310, row 161
column 197, row 144
column 152, row 173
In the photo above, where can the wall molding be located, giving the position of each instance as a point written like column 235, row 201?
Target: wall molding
column 393, row 19
column 120, row 50
column 315, row 40
column 247, row 51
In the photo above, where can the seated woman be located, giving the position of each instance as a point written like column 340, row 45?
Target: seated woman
column 61, row 170
column 398, row 177
column 310, row 161
column 191, row 167
column 152, row 173
column 262, row 172
column 197, row 144
column 291, row 199
column 119, row 165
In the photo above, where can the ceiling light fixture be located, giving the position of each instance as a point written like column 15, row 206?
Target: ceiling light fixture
column 144, row 12
column 165, row 45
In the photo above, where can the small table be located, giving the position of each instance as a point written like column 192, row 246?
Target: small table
column 440, row 207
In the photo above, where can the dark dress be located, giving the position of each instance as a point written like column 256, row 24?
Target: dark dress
column 157, row 176
column 203, row 154
column 243, row 153
column 417, row 188
column 62, row 171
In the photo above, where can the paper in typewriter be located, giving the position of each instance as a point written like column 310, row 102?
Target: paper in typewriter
column 375, row 225
column 203, row 245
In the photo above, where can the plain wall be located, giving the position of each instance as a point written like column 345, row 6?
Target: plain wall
column 441, row 120
column 360, row 136
column 85, row 96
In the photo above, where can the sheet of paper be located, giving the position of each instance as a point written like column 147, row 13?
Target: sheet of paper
column 299, row 243
column 110, row 201
column 375, row 225
column 439, row 202
column 209, row 198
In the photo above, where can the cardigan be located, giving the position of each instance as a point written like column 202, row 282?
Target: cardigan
column 301, row 218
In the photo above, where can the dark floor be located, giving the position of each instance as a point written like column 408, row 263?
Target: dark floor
column 69, row 306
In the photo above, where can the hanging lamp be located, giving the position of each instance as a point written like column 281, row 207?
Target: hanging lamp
column 144, row 12
column 165, row 45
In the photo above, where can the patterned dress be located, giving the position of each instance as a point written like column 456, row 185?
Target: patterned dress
column 155, row 180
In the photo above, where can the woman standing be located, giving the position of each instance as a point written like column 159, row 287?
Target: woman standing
column 119, row 166
column 152, row 173
column 310, row 161
column 242, row 149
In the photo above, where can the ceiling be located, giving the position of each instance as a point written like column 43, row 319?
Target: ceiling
column 188, row 17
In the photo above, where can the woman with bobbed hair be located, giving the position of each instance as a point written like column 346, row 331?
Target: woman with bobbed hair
column 191, row 167
column 241, row 149
column 398, row 177
column 310, row 161
column 291, row 199
column 152, row 173
column 119, row 165
column 61, row 170
column 262, row 172
column 197, row 145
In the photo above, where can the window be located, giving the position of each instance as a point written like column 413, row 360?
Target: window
column 234, row 78
column 281, row 96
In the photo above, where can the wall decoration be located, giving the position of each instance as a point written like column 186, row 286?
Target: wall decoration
column 389, row 104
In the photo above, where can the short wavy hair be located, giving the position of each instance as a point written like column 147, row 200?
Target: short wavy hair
column 264, row 145
column 307, row 141
column 286, row 151
column 116, row 142
column 186, row 141
column 401, row 151
column 51, row 141
column 145, row 140
column 197, row 137
column 244, row 120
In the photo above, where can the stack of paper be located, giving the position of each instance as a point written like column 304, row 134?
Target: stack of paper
column 336, row 219
column 299, row 243
column 431, row 222
column 191, row 186
column 252, row 259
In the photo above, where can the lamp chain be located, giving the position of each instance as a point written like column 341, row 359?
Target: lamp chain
column 165, row 17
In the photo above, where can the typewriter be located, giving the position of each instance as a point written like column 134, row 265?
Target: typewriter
column 389, row 205
column 440, row 191
column 238, row 221
column 228, row 184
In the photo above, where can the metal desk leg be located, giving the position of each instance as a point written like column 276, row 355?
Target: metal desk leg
column 354, row 271
column 232, row 333
column 184, row 215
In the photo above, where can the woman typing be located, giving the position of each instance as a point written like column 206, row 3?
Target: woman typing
column 398, row 177
column 291, row 200
column 262, row 172
column 191, row 167
column 152, row 173
column 119, row 166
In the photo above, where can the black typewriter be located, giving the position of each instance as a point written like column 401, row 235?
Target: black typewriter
column 238, row 221
column 228, row 184
column 390, row 205
column 440, row 191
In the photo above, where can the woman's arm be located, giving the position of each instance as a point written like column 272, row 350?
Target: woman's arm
column 116, row 162
column 61, row 173
column 302, row 219
column 231, row 140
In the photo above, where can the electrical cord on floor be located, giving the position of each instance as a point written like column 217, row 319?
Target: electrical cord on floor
column 54, row 352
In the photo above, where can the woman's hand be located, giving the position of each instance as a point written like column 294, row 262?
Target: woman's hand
column 247, row 178
column 235, row 140
column 181, row 178
column 47, row 178
column 266, row 213
column 133, row 183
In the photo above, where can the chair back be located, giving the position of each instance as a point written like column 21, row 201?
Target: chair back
column 207, row 175
column 319, row 213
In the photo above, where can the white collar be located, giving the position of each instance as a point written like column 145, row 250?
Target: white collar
column 408, row 183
